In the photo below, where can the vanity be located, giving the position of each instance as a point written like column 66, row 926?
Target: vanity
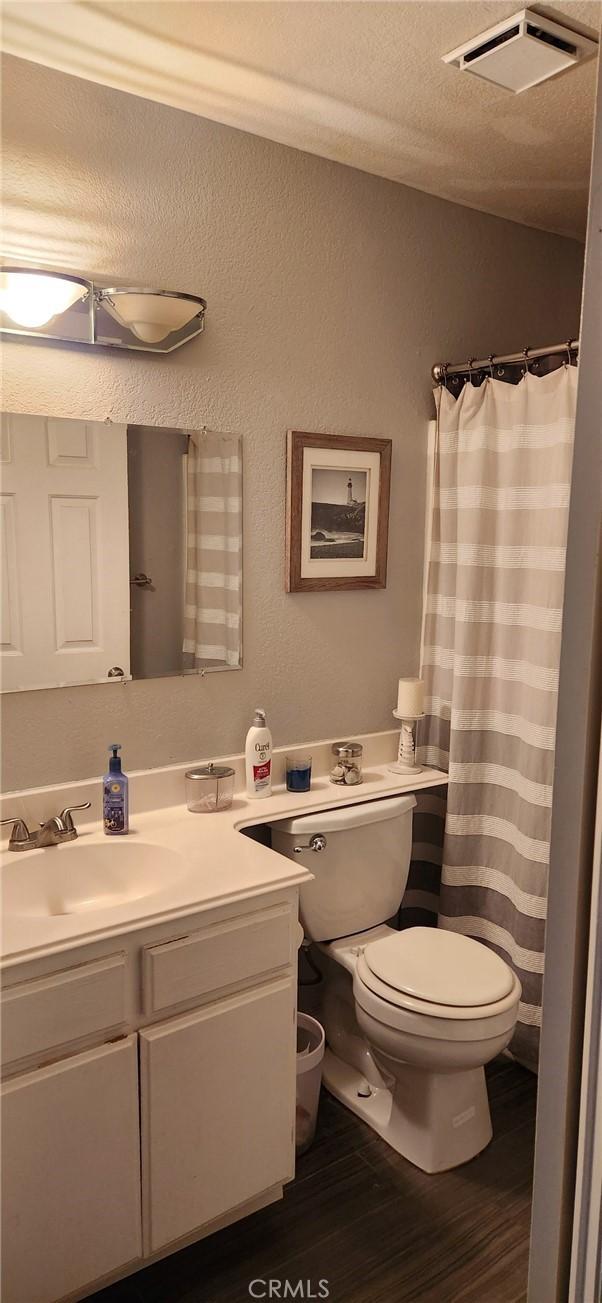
column 148, row 1029
column 153, row 1076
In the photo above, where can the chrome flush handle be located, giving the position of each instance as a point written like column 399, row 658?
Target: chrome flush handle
column 316, row 843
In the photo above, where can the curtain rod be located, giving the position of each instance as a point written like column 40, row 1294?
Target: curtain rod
column 441, row 370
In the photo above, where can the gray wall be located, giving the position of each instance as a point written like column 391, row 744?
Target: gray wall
column 156, row 503
column 330, row 294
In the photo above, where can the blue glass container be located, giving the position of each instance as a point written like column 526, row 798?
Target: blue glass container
column 298, row 773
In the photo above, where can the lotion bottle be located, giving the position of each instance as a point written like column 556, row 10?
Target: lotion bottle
column 258, row 757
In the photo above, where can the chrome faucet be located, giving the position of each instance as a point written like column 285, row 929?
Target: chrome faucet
column 53, row 832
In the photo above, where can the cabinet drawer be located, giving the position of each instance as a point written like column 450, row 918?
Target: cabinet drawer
column 217, row 957
column 62, row 1007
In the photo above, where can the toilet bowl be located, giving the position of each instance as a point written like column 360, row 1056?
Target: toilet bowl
column 411, row 1017
column 434, row 1044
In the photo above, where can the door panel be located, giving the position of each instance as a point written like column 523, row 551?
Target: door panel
column 217, row 1101
column 70, row 443
column 75, row 560
column 10, row 628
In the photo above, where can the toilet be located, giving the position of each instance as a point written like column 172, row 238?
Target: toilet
column 411, row 1017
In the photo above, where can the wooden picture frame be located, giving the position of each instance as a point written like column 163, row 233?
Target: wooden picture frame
column 337, row 512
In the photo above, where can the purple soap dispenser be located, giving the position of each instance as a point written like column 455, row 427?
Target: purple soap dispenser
column 115, row 811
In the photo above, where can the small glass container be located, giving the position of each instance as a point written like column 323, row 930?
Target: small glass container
column 209, row 788
column 298, row 773
column 347, row 768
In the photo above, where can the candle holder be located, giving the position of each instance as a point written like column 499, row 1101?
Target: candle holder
column 406, row 755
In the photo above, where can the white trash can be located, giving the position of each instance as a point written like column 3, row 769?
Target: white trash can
column 310, row 1053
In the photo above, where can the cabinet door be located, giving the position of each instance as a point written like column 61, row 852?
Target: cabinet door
column 218, row 1101
column 70, row 1174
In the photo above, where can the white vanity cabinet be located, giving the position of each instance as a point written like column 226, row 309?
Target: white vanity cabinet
column 148, row 1094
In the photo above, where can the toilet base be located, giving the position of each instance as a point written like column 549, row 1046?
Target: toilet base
column 437, row 1120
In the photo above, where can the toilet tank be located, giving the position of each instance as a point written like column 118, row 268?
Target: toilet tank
column 360, row 875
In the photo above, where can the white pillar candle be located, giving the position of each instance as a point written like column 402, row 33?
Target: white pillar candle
column 410, row 698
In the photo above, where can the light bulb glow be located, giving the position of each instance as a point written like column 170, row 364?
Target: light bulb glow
column 33, row 299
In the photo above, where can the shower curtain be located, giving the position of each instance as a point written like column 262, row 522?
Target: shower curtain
column 212, row 603
column 491, row 650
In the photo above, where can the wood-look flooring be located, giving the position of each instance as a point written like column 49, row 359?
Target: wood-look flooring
column 376, row 1228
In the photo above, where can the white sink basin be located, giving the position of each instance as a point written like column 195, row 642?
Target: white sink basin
column 77, row 878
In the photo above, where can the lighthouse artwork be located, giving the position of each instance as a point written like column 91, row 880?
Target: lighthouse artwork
column 338, row 512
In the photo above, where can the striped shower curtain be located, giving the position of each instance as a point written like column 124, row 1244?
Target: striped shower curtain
column 491, row 652
column 212, row 603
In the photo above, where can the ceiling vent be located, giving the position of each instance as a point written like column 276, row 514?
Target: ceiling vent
column 522, row 51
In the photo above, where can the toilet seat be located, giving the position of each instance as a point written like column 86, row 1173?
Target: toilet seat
column 428, row 966
column 439, row 1022
column 436, row 960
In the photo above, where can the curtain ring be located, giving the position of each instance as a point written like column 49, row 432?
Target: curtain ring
column 470, row 365
column 491, row 355
column 568, row 352
column 443, row 380
column 526, row 362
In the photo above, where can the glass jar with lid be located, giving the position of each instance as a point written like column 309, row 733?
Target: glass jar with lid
column 347, row 767
column 209, row 788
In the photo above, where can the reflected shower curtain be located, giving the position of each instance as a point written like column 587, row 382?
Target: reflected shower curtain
column 212, row 603
column 491, row 654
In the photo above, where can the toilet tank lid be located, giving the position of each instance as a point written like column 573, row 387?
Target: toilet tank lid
column 347, row 816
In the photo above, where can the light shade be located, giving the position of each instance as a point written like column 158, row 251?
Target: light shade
column 32, row 298
column 151, row 315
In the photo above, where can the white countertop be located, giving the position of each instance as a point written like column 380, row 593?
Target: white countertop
column 220, row 865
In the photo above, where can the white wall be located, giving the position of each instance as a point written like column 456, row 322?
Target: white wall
column 330, row 294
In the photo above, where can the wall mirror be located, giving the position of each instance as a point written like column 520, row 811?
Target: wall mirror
column 121, row 552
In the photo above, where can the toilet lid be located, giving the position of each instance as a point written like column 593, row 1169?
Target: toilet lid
column 441, row 967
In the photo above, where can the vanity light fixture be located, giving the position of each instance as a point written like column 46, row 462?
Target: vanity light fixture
column 151, row 315
column 56, row 305
column 33, row 298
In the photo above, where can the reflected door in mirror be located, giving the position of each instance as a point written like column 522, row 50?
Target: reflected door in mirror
column 65, row 588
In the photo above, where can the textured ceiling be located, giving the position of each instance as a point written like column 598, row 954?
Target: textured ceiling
column 359, row 82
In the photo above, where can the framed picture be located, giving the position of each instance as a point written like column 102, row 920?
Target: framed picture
column 337, row 516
